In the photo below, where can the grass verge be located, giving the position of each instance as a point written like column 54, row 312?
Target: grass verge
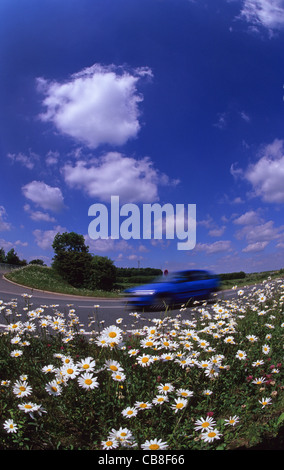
column 47, row 279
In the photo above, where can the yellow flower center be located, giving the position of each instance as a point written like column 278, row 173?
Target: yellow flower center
column 88, row 381
column 145, row 359
column 154, row 446
column 179, row 405
column 112, row 334
column 205, row 424
column 22, row 388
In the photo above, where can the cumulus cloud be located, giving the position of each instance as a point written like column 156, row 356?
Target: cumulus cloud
column 267, row 174
column 44, row 238
column 255, row 247
column 43, row 195
column 216, row 247
column 4, row 225
column 114, row 174
column 98, row 105
column 248, row 218
column 264, row 13
column 38, row 216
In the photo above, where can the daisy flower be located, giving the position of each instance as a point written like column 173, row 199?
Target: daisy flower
column 259, row 381
column 10, row 426
column 142, row 405
column 210, row 435
column 28, row 407
column 16, row 353
column 53, row 388
column 113, row 366
column 88, row 381
column 122, row 435
column 70, row 371
column 129, row 412
column 258, row 363
column 160, row 399
column 251, row 338
column 49, row 368
column 87, row 364
column 232, row 421
column 180, row 403
column 133, row 352
column 21, row 389
column 265, row 349
column 118, row 376
column 204, row 424
column 182, row 392
column 242, row 355
column 154, row 444
column 165, row 388
column 265, row 401
column 144, row 360
column 110, row 444
column 112, row 334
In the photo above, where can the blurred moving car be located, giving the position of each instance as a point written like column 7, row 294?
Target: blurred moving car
column 173, row 289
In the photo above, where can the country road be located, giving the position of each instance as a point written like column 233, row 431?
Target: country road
column 109, row 310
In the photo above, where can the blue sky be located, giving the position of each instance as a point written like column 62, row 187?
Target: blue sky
column 168, row 101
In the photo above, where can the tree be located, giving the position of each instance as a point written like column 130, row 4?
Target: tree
column 72, row 259
column 37, row 261
column 12, row 257
column 103, row 273
column 2, row 256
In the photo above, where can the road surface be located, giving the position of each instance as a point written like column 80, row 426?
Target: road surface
column 109, row 310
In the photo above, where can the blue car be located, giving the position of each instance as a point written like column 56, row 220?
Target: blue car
column 173, row 289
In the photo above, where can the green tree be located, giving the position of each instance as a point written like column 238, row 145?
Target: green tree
column 72, row 259
column 103, row 274
column 12, row 257
column 37, row 261
column 2, row 256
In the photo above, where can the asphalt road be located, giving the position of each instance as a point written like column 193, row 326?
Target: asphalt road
column 109, row 310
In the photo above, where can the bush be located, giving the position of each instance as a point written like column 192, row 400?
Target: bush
column 103, row 273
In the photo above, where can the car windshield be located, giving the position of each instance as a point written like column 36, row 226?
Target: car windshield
column 172, row 277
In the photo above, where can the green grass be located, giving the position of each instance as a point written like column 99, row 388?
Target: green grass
column 79, row 418
column 46, row 278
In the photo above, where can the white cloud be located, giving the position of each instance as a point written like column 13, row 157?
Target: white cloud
column 216, row 247
column 249, row 218
column 44, row 238
column 255, row 247
column 265, row 13
column 260, row 233
column 43, row 195
column 267, row 174
column 38, row 216
column 116, row 175
column 98, row 105
column 4, row 225
column 27, row 161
